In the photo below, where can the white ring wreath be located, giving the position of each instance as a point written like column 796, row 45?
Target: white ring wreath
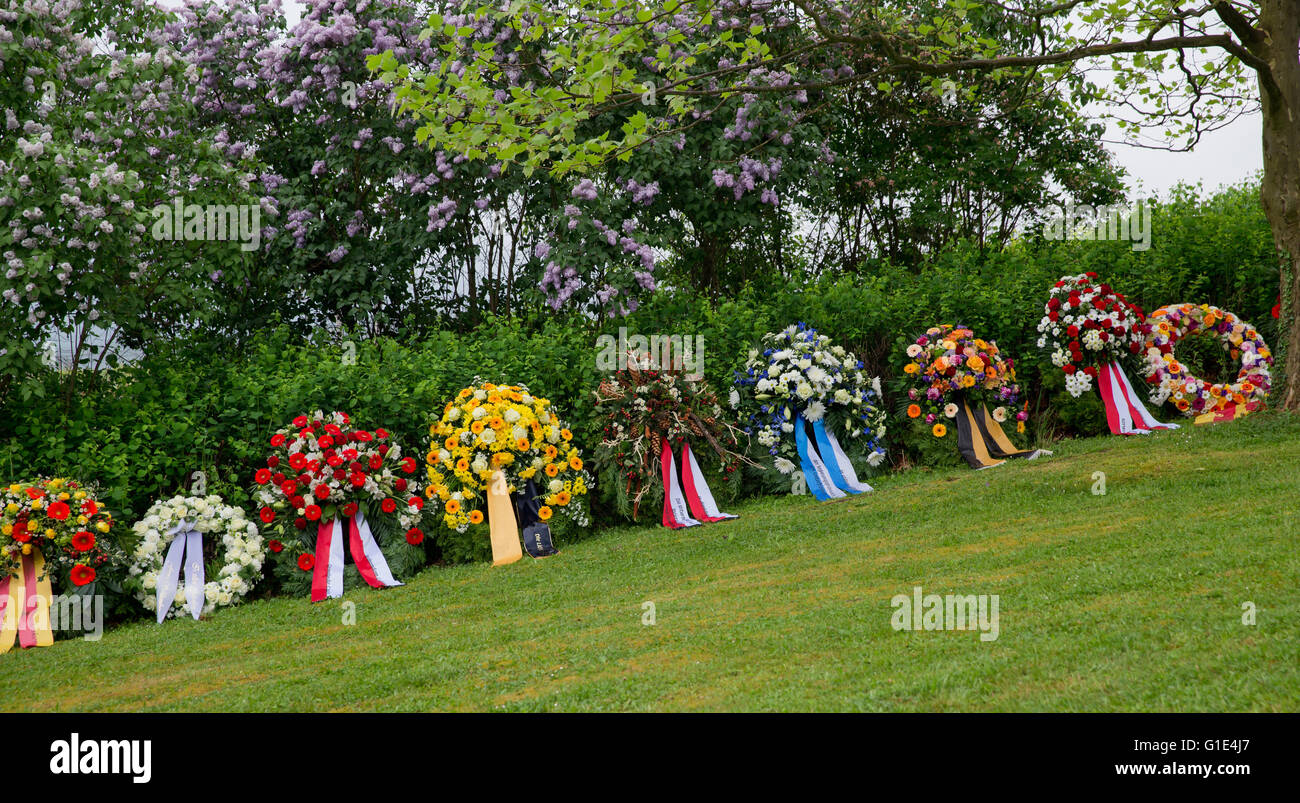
column 240, row 550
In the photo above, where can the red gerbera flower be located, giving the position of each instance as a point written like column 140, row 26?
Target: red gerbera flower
column 408, row 465
column 388, row 505
column 306, row 562
column 313, row 512
column 322, row 491
column 277, row 440
column 268, row 515
column 300, row 422
column 297, row 461
column 381, row 433
column 414, row 537
column 275, row 546
column 350, row 509
column 82, row 574
column 58, row 511
column 89, row 507
column 35, row 493
column 83, row 541
column 263, row 476
column 416, row 502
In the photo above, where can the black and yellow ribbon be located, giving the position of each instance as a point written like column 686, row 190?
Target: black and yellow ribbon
column 981, row 441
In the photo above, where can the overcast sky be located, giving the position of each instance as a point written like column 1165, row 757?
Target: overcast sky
column 1226, row 156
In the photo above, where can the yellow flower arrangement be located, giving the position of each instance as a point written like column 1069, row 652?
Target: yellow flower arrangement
column 489, row 427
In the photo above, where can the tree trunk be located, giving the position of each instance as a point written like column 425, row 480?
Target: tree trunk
column 1280, row 100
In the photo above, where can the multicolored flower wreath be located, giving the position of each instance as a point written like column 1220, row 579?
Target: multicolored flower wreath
column 63, row 519
column 1086, row 324
column 322, row 467
column 948, row 363
column 489, row 427
column 1170, row 379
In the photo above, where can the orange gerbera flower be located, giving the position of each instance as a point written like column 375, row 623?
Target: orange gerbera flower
column 522, row 444
column 562, row 498
column 543, row 513
column 552, row 469
column 476, row 517
column 913, row 411
column 453, row 505
column 476, row 427
column 939, row 430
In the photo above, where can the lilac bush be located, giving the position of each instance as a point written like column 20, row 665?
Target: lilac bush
column 95, row 134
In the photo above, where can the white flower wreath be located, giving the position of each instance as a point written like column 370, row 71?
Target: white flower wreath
column 240, row 550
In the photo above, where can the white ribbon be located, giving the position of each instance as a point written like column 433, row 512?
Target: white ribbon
column 187, row 548
column 334, row 578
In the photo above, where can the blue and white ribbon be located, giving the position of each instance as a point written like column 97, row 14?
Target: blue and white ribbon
column 820, row 483
column 838, row 463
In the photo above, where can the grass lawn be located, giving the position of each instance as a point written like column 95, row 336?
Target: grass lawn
column 1127, row 601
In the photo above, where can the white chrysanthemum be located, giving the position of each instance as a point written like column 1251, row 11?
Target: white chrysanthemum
column 783, row 465
column 815, row 411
